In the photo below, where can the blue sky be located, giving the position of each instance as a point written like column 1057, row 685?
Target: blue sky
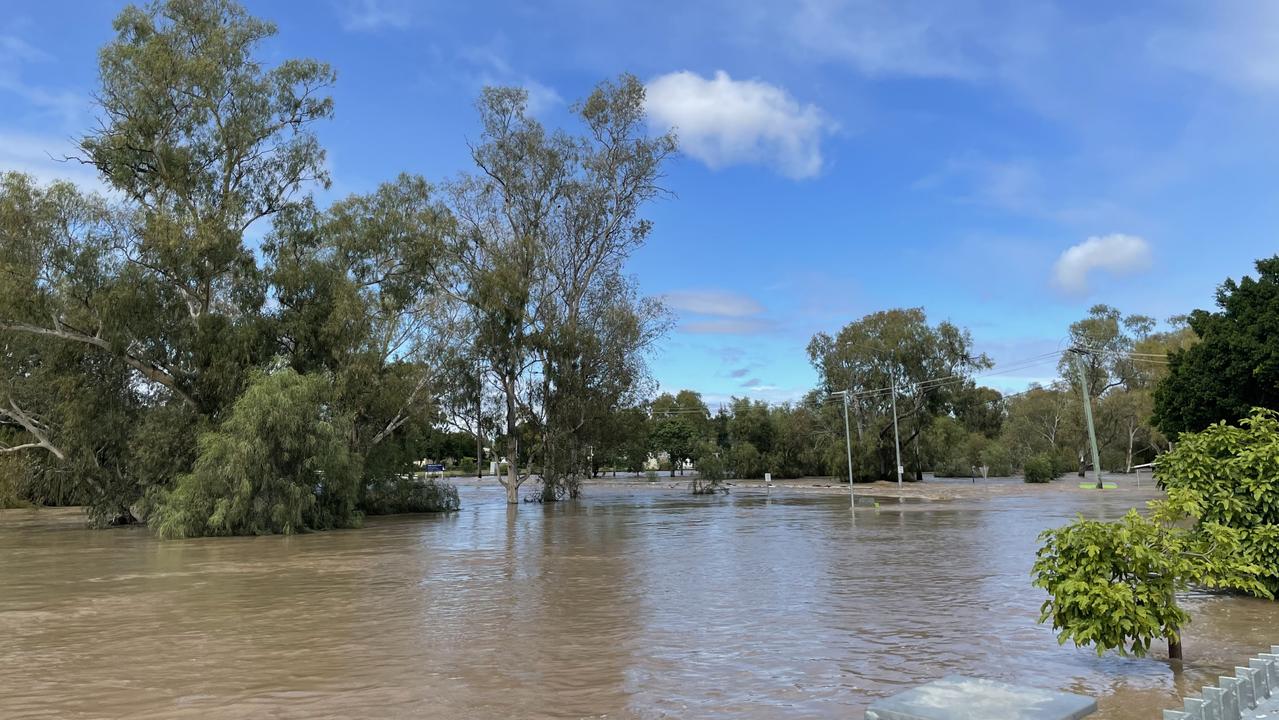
column 1005, row 165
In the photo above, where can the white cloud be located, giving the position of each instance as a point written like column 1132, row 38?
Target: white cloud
column 1232, row 41
column 368, row 15
column 67, row 106
column 722, row 121
column 713, row 302
column 913, row 38
column 730, row 326
column 42, row 156
column 1117, row 253
column 486, row 65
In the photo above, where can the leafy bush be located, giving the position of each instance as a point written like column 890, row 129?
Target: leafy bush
column 408, row 494
column 466, row 464
column 1038, row 469
column 1230, row 475
column 1113, row 585
column 744, row 461
column 12, row 471
column 998, row 459
column 710, row 468
column 650, row 475
column 280, row 463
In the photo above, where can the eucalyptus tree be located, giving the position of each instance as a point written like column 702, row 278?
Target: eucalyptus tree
column 197, row 141
column 896, row 354
column 545, row 224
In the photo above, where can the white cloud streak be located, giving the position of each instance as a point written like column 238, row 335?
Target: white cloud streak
column 1117, row 253
column 371, row 15
column 721, row 122
column 713, row 302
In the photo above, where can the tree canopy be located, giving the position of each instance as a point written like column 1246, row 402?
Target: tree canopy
column 1234, row 366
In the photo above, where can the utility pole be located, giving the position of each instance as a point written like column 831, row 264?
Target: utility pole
column 848, row 446
column 897, row 443
column 1092, row 434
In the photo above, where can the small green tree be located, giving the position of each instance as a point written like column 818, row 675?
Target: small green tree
column 710, row 471
column 280, row 463
column 1114, row 585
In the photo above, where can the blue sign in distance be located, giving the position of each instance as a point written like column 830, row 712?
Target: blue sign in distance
column 435, row 468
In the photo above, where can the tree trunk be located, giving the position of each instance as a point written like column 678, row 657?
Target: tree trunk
column 1174, row 649
column 512, row 482
column 1132, row 435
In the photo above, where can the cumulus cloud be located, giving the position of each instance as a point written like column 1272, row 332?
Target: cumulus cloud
column 1116, row 253
column 722, row 122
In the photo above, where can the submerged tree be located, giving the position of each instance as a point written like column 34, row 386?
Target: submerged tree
column 280, row 463
column 544, row 227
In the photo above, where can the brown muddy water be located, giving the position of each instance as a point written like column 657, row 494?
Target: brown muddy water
column 648, row 604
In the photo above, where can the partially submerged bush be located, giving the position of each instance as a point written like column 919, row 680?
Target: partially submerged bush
column 280, row 463
column 1038, row 469
column 409, row 494
column 12, row 471
column 710, row 474
column 1114, row 585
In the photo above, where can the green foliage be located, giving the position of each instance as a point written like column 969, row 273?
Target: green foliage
column 408, row 494
column 997, row 458
column 1113, row 585
column 280, row 463
column 1039, row 469
column 710, row 471
column 13, row 470
column 1234, row 367
column 900, row 348
column 1229, row 475
column 745, row 462
column 710, row 467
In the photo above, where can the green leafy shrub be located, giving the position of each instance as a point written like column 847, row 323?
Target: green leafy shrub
column 1230, row 476
column 650, row 475
column 744, row 461
column 12, row 471
column 1038, row 469
column 408, row 494
column 998, row 459
column 280, row 463
column 1113, row 585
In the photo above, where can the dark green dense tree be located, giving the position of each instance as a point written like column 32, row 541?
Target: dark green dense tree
column 1234, row 366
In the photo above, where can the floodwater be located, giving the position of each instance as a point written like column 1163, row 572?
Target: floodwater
column 647, row 604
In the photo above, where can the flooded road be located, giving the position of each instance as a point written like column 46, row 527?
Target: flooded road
column 645, row 604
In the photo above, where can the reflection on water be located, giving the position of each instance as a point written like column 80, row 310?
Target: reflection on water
column 643, row 605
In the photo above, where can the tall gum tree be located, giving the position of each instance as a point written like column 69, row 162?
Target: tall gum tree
column 201, row 141
column 546, row 220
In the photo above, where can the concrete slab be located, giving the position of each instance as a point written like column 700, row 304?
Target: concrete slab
column 956, row 697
